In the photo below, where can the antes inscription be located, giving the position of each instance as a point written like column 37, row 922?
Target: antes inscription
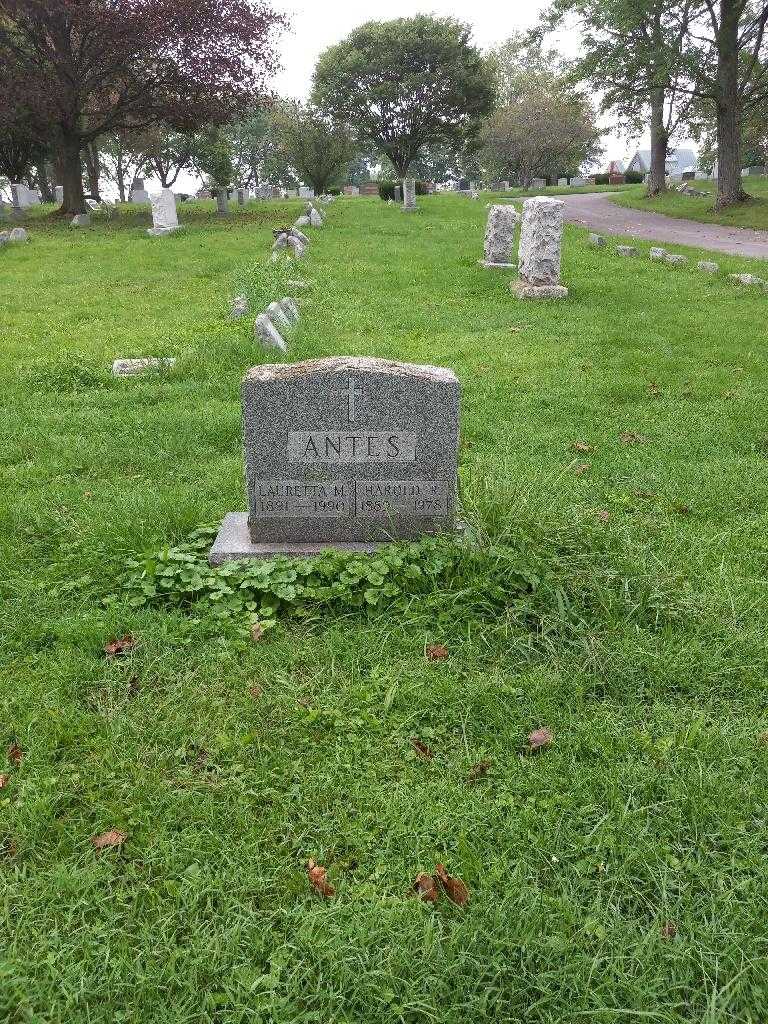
column 349, row 449
column 308, row 446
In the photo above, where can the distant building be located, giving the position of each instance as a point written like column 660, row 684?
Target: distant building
column 616, row 167
column 678, row 160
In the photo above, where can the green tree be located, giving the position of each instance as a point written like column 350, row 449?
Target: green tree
column 211, row 157
column 542, row 132
column 633, row 53
column 318, row 148
column 405, row 84
column 728, row 70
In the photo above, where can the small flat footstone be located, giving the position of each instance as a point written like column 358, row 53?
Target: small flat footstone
column 675, row 259
column 266, row 332
column 18, row 235
column 709, row 266
column 657, row 253
column 524, row 290
column 626, row 250
column 130, row 367
column 240, row 306
column 746, row 279
column 496, row 266
column 596, row 240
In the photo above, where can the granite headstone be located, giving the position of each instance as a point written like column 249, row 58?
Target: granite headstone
column 344, row 452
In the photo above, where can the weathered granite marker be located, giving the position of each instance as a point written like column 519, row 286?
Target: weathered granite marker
column 164, row 216
column 409, row 195
column 500, row 237
column 345, row 452
column 541, row 239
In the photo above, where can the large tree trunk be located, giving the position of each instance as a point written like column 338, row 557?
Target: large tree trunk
column 44, row 183
column 657, row 182
column 729, row 190
column 92, row 169
column 72, row 175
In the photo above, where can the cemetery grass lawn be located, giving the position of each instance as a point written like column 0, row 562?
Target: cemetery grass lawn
column 753, row 214
column 619, row 874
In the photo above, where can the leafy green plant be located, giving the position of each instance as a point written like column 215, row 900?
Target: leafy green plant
column 446, row 577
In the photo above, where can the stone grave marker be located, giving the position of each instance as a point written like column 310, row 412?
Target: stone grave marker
column 164, row 217
column 541, row 239
column 500, row 237
column 409, row 195
column 345, row 452
column 222, row 202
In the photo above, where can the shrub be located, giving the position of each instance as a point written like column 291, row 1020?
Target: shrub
column 421, row 188
column 387, row 190
column 634, row 177
column 601, row 179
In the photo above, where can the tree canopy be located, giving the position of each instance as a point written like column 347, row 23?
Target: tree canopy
column 85, row 68
column 405, row 84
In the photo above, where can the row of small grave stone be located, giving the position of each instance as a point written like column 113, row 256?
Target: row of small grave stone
column 270, row 326
column 660, row 255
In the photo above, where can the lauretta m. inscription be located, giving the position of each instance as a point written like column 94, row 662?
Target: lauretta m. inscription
column 344, row 446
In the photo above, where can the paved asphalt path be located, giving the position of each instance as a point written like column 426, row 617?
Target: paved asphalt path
column 596, row 211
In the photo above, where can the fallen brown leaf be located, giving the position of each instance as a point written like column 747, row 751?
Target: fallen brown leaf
column 538, row 739
column 478, row 772
column 425, row 888
column 630, row 437
column 454, row 888
column 421, row 748
column 257, row 631
column 668, row 930
column 256, row 691
column 436, row 652
column 604, row 515
column 317, row 878
column 121, row 646
column 581, row 468
column 4, row 780
column 112, row 838
column 581, row 446
column 15, row 754
column 762, row 738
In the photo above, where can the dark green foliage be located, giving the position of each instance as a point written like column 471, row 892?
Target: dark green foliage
column 632, row 178
column 601, row 179
column 387, row 189
column 404, row 84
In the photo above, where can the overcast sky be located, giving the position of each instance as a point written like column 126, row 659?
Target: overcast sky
column 317, row 24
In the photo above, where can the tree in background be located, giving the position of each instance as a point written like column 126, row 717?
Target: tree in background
column 211, row 157
column 633, row 54
column 726, row 61
column 317, row 147
column 404, row 84
column 540, row 133
column 90, row 67
column 121, row 160
column 166, row 153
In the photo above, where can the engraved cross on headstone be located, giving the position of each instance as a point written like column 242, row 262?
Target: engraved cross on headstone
column 352, row 395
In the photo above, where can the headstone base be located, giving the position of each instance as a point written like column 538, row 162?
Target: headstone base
column 233, row 544
column 162, row 231
column 524, row 290
column 496, row 266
